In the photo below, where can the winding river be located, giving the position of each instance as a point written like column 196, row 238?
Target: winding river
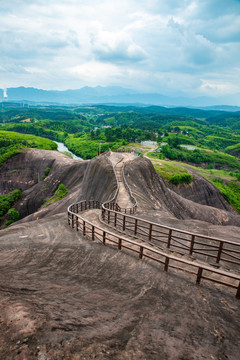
column 62, row 148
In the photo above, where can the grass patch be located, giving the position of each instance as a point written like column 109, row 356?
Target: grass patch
column 224, row 181
column 67, row 153
column 203, row 157
column 8, row 138
column 59, row 194
column 208, row 174
column 230, row 190
column 168, row 170
column 46, row 173
column 181, row 179
column 12, row 143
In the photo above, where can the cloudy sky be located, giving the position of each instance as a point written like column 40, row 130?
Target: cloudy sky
column 173, row 47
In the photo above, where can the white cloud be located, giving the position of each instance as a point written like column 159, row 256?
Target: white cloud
column 115, row 46
column 164, row 46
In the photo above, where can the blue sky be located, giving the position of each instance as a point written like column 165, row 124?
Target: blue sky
column 167, row 46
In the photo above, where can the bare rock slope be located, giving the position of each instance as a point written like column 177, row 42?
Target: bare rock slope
column 184, row 202
column 95, row 179
column 84, row 179
column 63, row 296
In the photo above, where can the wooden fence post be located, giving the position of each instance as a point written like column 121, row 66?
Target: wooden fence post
column 119, row 244
column 166, row 264
column 238, row 291
column 72, row 221
column 140, row 252
column 108, row 216
column 135, row 227
column 93, row 229
column 199, row 275
column 84, row 228
column 192, row 244
column 124, row 222
column 150, row 232
column 219, row 252
column 104, row 238
column 115, row 219
column 169, row 238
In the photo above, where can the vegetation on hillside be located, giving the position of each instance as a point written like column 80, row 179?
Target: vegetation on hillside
column 208, row 139
column 83, row 129
column 14, row 215
column 59, row 194
column 11, row 143
column 230, row 190
column 175, row 174
column 6, row 201
column 233, row 150
column 200, row 156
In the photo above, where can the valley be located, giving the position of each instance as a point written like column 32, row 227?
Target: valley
column 67, row 294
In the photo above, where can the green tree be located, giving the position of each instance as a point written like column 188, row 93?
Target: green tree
column 14, row 214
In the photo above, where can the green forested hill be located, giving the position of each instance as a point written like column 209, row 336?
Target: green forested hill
column 86, row 129
column 11, row 143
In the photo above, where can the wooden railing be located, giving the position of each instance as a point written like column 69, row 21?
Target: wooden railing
column 112, row 200
column 206, row 248
column 112, row 204
column 133, row 209
column 198, row 270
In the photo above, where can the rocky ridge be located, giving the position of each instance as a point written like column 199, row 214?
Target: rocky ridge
column 63, row 296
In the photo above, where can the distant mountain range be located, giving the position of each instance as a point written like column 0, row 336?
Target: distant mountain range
column 112, row 95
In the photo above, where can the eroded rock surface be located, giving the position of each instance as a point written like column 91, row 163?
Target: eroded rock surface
column 84, row 180
column 65, row 297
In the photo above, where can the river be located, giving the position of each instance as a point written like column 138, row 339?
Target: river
column 62, row 148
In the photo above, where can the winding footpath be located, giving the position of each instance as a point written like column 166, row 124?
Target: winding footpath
column 109, row 223
column 118, row 160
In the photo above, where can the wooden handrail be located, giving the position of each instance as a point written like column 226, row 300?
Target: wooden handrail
column 119, row 240
column 176, row 239
column 192, row 243
column 152, row 232
column 185, row 232
column 181, row 241
column 106, row 205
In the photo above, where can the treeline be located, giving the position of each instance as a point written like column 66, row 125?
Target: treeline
column 231, row 120
column 143, row 121
column 55, row 130
column 195, row 131
column 87, row 148
column 197, row 156
column 18, row 114
column 111, row 125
